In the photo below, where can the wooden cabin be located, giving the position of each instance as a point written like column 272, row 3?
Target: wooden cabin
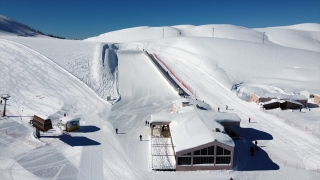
column 43, row 123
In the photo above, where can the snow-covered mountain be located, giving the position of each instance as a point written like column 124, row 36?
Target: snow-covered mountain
column 53, row 76
column 11, row 27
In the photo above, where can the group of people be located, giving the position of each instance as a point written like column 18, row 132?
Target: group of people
column 139, row 136
column 147, row 123
column 226, row 108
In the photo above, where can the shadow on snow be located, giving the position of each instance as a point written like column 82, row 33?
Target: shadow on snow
column 87, row 129
column 243, row 161
column 78, row 141
column 75, row 140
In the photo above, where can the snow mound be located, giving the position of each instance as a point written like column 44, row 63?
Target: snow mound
column 302, row 27
column 145, row 32
column 301, row 36
column 12, row 27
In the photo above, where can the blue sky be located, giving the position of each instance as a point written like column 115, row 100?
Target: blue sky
column 86, row 18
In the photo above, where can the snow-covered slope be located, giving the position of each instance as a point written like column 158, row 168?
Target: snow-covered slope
column 303, row 27
column 302, row 36
column 12, row 27
column 240, row 65
column 95, row 64
column 146, row 32
column 246, row 60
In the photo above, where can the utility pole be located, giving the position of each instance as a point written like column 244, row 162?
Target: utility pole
column 5, row 97
column 212, row 32
column 263, row 38
column 162, row 33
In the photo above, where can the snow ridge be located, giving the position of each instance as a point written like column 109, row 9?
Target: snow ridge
column 9, row 26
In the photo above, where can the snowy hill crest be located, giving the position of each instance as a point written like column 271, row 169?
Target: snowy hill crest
column 300, row 36
column 12, row 27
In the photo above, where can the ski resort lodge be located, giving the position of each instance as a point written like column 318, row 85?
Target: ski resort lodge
column 316, row 99
column 312, row 94
column 193, row 137
column 278, row 100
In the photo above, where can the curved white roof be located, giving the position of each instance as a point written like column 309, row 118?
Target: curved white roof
column 192, row 129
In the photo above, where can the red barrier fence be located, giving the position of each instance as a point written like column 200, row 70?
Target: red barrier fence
column 178, row 79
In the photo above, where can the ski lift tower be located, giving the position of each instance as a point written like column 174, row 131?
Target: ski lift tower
column 5, row 97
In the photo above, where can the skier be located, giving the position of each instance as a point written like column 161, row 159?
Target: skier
column 116, row 130
column 252, row 151
column 256, row 143
column 64, row 114
column 146, row 123
column 226, row 107
column 218, row 109
column 249, row 120
column 140, row 137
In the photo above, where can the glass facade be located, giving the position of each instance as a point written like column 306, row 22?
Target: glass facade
column 184, row 159
column 206, row 156
column 223, row 156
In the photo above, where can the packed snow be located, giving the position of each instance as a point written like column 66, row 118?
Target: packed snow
column 111, row 82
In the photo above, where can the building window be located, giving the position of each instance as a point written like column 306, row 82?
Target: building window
column 223, row 160
column 223, row 156
column 204, row 156
column 184, row 159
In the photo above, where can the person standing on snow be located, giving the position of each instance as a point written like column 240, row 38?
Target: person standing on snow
column 256, row 143
column 146, row 123
column 116, row 130
column 140, row 137
column 226, row 107
column 252, row 151
column 218, row 109
column 249, row 120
